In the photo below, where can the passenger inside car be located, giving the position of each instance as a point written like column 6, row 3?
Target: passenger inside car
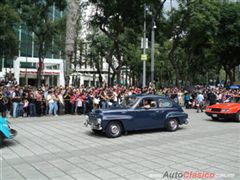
column 161, row 103
column 147, row 104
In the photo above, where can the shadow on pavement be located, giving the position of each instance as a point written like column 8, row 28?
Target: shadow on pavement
column 8, row 143
column 132, row 133
column 221, row 120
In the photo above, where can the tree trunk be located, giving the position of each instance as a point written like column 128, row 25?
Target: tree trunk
column 234, row 74
column 229, row 73
column 175, row 67
column 109, row 79
column 40, row 65
column 112, row 79
column 226, row 78
column 118, row 73
column 72, row 17
column 99, row 70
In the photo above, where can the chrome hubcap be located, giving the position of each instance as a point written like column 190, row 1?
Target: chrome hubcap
column 115, row 129
column 173, row 124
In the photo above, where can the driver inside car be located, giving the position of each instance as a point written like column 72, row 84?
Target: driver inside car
column 147, row 104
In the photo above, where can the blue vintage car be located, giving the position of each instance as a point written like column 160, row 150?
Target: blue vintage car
column 140, row 113
column 5, row 131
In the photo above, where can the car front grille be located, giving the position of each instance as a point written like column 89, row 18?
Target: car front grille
column 92, row 118
column 216, row 109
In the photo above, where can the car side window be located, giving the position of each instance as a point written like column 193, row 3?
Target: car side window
column 164, row 103
column 147, row 103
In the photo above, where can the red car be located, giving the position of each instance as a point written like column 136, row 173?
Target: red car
column 227, row 110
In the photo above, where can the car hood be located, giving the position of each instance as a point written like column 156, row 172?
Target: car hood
column 225, row 105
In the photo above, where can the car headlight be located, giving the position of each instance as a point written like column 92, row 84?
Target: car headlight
column 225, row 110
column 99, row 120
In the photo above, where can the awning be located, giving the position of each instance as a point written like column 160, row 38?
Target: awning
column 43, row 73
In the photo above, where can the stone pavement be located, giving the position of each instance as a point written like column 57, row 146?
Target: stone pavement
column 62, row 148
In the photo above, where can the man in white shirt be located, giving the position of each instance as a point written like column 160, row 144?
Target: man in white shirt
column 200, row 99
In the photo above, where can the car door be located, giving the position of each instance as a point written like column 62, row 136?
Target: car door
column 146, row 118
column 165, row 106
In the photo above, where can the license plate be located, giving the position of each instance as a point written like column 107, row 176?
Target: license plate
column 214, row 115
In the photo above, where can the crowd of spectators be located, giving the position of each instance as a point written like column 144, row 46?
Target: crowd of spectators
column 29, row 101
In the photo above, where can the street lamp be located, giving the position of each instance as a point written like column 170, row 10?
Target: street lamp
column 144, row 47
column 152, row 48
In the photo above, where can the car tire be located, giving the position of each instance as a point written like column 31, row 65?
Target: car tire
column 215, row 118
column 172, row 124
column 238, row 116
column 114, row 129
column 1, row 139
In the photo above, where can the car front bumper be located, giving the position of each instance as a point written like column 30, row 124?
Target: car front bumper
column 187, row 121
column 93, row 125
column 221, row 115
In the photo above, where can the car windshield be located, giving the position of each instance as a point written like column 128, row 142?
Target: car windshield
column 129, row 101
column 235, row 99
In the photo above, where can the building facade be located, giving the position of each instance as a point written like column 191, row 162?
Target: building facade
column 23, row 67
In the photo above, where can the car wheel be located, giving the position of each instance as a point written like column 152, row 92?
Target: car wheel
column 1, row 139
column 172, row 124
column 238, row 116
column 114, row 129
column 215, row 118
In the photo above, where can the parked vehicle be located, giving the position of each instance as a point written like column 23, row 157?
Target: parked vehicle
column 145, row 112
column 6, row 132
column 228, row 110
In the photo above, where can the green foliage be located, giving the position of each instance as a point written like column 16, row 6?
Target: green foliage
column 122, row 23
column 36, row 16
column 8, row 20
column 228, row 38
column 193, row 42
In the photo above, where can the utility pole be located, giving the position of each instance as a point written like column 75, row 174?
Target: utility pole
column 144, row 48
column 152, row 47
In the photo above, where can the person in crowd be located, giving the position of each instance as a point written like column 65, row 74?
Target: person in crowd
column 104, row 99
column 187, row 100
column 59, row 94
column 78, row 103
column 52, row 102
column 39, row 98
column 96, row 99
column 212, row 98
column 73, row 97
column 16, row 99
column 82, row 100
column 3, row 107
column 32, row 104
column 199, row 102
column 67, row 104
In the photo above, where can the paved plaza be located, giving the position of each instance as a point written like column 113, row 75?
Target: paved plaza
column 62, row 148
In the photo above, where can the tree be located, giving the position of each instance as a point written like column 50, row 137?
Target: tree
column 73, row 16
column 228, row 38
column 35, row 15
column 8, row 20
column 193, row 26
column 113, row 18
column 98, row 45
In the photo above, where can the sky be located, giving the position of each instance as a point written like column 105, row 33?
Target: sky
column 167, row 5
